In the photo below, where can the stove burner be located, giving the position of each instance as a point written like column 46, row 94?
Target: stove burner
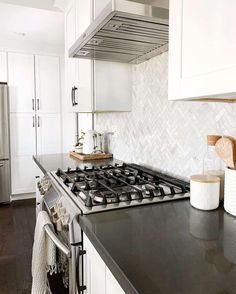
column 114, row 184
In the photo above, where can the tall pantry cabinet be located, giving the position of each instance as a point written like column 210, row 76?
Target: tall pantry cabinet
column 35, row 122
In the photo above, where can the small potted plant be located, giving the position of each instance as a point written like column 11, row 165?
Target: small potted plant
column 79, row 143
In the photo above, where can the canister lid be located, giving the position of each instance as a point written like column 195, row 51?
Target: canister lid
column 205, row 179
column 212, row 139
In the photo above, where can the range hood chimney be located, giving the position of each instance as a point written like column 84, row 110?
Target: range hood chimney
column 124, row 31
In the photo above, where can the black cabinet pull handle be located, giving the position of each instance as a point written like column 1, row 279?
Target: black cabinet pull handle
column 33, row 104
column 33, row 121
column 72, row 96
column 75, row 89
column 37, row 104
column 38, row 122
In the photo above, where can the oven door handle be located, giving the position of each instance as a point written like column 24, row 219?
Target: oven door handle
column 61, row 246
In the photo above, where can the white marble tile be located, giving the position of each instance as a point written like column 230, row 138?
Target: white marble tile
column 165, row 135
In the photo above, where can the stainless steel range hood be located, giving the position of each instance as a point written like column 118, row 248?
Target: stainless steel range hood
column 124, row 31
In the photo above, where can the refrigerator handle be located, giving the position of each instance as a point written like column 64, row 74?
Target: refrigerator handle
column 33, row 103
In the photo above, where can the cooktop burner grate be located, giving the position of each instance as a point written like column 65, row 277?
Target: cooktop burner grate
column 112, row 184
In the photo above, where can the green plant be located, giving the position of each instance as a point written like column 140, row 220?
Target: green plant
column 80, row 139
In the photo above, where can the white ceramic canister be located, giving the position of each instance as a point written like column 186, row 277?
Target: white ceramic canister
column 230, row 191
column 204, row 192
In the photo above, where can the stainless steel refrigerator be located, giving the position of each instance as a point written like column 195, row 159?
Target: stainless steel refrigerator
column 5, row 183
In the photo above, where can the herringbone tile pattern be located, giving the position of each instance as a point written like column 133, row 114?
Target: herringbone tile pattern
column 165, row 135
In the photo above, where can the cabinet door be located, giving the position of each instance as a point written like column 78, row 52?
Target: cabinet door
column 23, row 168
column 71, row 82
column 112, row 286
column 3, row 67
column 71, row 64
column 47, row 77
column 68, row 131
column 21, row 82
column 84, row 69
column 99, row 5
column 84, row 15
column 202, row 60
column 70, row 26
column 94, row 270
column 84, row 92
column 48, row 133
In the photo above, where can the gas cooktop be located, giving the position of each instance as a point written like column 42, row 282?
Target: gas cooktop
column 107, row 187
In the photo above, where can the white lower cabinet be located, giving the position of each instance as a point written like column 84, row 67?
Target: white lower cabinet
column 23, row 169
column 31, row 134
column 22, row 149
column 97, row 277
column 112, row 286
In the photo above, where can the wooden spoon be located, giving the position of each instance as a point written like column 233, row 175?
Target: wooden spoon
column 225, row 148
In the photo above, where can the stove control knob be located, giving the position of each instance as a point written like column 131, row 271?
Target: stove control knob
column 65, row 219
column 59, row 205
column 59, row 225
column 55, row 217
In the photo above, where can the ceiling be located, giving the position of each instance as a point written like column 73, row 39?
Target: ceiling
column 30, row 24
column 40, row 4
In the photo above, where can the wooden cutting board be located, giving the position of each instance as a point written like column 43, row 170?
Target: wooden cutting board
column 94, row 156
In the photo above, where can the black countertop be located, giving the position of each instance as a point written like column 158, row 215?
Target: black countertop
column 167, row 248
column 51, row 162
column 161, row 248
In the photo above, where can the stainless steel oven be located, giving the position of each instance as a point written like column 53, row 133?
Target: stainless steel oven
column 67, row 238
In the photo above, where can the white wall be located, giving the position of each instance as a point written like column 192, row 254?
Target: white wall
column 165, row 135
column 30, row 47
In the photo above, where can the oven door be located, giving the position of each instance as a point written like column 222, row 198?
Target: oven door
column 72, row 248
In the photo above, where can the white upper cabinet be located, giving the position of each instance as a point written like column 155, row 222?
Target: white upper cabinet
column 21, row 82
column 83, row 15
column 93, row 86
column 84, row 93
column 202, row 46
column 47, row 75
column 99, row 5
column 3, row 67
column 70, row 26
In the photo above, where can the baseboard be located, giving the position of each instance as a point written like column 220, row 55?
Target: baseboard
column 23, row 196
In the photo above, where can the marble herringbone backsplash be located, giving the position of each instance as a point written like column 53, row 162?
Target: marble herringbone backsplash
column 165, row 135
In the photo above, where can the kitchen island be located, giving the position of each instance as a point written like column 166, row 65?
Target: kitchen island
column 168, row 247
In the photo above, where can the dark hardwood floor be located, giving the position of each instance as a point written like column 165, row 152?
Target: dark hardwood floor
column 17, row 222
